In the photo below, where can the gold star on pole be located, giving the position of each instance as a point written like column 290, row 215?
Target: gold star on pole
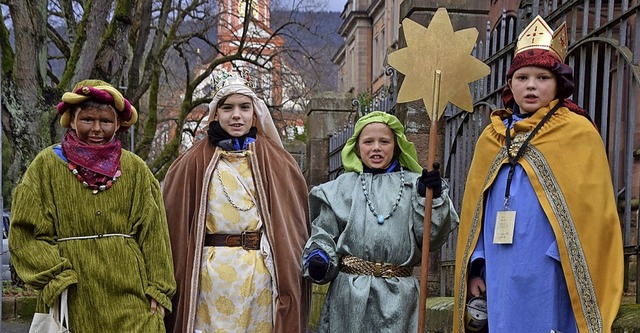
column 438, row 48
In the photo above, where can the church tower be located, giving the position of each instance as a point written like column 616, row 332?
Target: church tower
column 259, row 45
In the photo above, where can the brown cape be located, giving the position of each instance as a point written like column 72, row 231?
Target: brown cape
column 282, row 197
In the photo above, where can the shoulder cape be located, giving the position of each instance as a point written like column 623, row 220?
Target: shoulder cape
column 569, row 171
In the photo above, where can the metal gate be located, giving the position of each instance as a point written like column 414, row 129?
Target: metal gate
column 604, row 46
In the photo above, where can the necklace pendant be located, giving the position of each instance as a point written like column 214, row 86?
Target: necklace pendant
column 513, row 151
column 380, row 219
column 518, row 140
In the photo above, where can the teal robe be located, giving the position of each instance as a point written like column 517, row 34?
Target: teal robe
column 342, row 224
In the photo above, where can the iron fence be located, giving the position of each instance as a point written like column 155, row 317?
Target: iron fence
column 336, row 143
column 383, row 100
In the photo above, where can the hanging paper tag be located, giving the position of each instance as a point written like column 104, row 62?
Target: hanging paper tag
column 505, row 225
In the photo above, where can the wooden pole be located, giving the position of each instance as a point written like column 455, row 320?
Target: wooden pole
column 426, row 237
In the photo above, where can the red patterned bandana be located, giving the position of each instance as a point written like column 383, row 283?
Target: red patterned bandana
column 97, row 165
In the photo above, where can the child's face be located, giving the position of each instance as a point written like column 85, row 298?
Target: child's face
column 236, row 115
column 95, row 126
column 533, row 88
column 376, row 144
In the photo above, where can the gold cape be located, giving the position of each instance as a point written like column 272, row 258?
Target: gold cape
column 569, row 171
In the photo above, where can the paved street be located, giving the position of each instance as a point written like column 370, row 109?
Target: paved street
column 14, row 326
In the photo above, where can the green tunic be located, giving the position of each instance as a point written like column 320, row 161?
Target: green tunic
column 110, row 279
column 342, row 224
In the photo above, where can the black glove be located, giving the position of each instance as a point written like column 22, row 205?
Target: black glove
column 318, row 264
column 430, row 179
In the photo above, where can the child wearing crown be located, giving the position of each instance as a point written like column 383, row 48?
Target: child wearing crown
column 237, row 211
column 539, row 235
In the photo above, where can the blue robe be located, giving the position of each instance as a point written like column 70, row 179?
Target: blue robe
column 567, row 169
column 517, row 299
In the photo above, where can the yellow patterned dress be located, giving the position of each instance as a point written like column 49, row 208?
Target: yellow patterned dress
column 235, row 284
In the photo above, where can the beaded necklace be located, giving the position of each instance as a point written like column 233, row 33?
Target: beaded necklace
column 226, row 194
column 381, row 218
column 95, row 188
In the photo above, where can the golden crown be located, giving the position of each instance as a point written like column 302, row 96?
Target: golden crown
column 223, row 78
column 539, row 35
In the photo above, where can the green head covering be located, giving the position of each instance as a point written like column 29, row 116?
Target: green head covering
column 408, row 156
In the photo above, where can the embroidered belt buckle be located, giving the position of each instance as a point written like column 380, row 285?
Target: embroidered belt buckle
column 377, row 270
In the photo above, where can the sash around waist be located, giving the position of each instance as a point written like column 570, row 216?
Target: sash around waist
column 64, row 239
column 355, row 265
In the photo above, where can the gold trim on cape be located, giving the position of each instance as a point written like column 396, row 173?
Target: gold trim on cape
column 577, row 259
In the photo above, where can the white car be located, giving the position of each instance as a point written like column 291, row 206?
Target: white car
column 6, row 273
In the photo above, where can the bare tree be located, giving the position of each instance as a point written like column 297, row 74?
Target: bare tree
column 158, row 52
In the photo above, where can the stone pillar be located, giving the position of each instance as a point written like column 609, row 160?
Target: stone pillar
column 297, row 149
column 327, row 113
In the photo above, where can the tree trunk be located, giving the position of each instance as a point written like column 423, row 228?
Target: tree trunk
column 114, row 49
column 29, row 117
column 94, row 27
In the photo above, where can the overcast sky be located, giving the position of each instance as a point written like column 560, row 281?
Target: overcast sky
column 313, row 5
column 335, row 5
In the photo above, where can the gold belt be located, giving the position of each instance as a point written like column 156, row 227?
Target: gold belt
column 354, row 265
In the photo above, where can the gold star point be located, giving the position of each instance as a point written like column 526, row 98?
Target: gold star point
column 438, row 47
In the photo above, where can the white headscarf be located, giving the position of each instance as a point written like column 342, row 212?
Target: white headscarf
column 263, row 116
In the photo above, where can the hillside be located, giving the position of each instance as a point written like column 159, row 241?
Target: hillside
column 314, row 40
column 310, row 43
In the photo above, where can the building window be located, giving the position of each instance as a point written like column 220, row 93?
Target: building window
column 383, row 51
column 375, row 56
column 352, row 67
column 395, row 18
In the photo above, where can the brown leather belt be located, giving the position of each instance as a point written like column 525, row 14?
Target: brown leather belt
column 249, row 240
